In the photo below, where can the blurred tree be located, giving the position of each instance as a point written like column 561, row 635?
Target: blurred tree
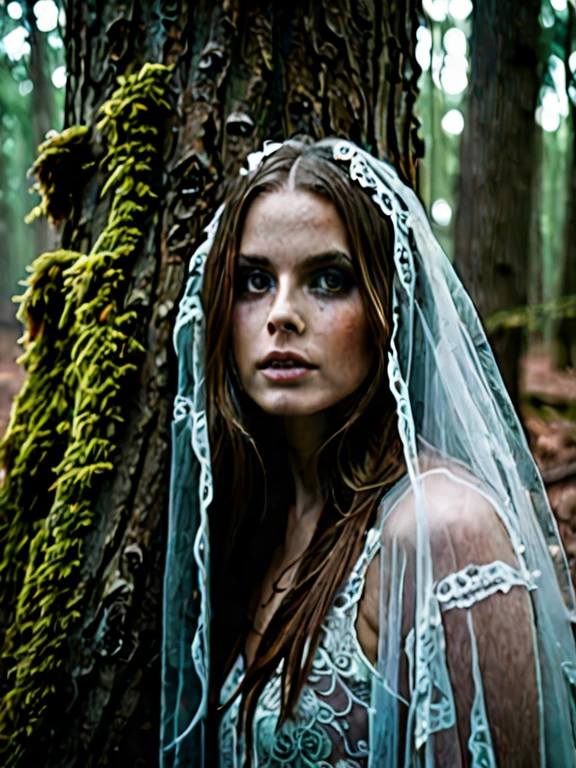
column 31, row 52
column 535, row 286
column 566, row 333
column 497, row 167
column 83, row 542
column 42, row 110
column 5, row 230
column 442, row 51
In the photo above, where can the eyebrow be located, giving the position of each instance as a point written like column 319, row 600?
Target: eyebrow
column 315, row 260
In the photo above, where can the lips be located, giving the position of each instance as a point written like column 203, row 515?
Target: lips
column 286, row 367
column 285, row 360
column 289, row 363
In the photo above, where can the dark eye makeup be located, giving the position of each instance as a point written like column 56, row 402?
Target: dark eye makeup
column 255, row 281
column 331, row 281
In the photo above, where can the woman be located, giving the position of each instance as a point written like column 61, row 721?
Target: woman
column 361, row 556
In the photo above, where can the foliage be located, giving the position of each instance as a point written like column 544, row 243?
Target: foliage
column 28, row 98
column 533, row 317
column 439, row 170
column 552, row 199
column 80, row 352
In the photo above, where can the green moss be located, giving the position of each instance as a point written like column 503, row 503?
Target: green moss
column 61, row 169
column 80, row 350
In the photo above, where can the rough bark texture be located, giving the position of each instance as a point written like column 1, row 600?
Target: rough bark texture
column 492, row 223
column 245, row 71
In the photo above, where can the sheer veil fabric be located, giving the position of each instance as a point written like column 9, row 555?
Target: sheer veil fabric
column 462, row 441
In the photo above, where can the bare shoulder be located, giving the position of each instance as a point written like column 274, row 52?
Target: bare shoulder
column 464, row 529
column 449, row 500
column 463, row 523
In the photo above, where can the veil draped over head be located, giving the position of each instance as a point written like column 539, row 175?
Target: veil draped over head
column 456, row 422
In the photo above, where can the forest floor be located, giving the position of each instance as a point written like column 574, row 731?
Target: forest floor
column 548, row 413
column 549, row 416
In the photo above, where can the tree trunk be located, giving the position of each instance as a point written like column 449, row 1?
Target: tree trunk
column 492, row 223
column 244, row 71
column 42, row 115
column 565, row 346
column 6, row 244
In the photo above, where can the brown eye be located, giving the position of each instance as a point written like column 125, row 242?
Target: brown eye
column 333, row 281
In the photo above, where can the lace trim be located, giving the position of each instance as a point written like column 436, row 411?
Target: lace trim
column 191, row 407
column 339, row 684
column 392, row 207
column 480, row 740
column 433, row 704
column 476, row 582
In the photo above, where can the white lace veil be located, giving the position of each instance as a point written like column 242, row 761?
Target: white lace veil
column 455, row 421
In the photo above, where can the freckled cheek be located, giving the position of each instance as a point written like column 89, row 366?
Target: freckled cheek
column 346, row 342
column 246, row 323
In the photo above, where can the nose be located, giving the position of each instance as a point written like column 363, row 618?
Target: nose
column 284, row 316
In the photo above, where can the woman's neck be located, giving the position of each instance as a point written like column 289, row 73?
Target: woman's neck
column 304, row 434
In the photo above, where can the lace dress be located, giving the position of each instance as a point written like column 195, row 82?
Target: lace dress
column 331, row 725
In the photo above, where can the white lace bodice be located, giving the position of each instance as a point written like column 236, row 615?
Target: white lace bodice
column 330, row 728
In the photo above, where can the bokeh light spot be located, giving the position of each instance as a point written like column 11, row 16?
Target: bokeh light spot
column 453, row 122
column 436, row 9
column 59, row 77
column 455, row 42
column 14, row 10
column 25, row 87
column 453, row 79
column 423, row 56
column 549, row 121
column 441, row 212
column 46, row 12
column 55, row 42
column 16, row 44
column 460, row 9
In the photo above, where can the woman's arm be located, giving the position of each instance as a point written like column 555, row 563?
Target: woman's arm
column 465, row 530
column 504, row 635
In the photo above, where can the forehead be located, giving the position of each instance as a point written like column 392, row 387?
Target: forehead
column 298, row 222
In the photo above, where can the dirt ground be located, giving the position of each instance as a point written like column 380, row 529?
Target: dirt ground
column 548, row 413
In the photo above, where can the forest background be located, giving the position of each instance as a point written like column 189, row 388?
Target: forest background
column 475, row 104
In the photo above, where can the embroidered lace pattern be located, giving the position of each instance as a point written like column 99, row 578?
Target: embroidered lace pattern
column 330, row 725
column 476, row 582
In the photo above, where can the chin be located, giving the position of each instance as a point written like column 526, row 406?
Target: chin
column 292, row 404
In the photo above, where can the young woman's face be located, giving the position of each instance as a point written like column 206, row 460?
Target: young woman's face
column 299, row 331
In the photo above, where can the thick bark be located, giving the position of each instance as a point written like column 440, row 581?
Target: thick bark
column 494, row 195
column 245, row 71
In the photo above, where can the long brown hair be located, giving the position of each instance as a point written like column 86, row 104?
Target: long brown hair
column 252, row 479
